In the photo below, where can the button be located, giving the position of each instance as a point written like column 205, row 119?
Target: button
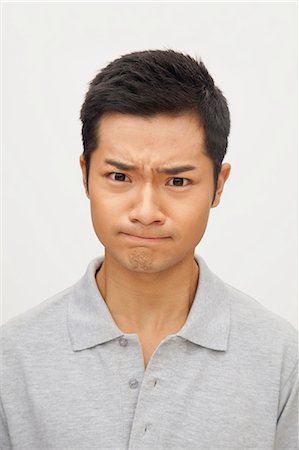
column 147, row 427
column 133, row 383
column 123, row 341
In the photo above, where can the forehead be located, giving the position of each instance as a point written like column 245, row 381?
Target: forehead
column 159, row 139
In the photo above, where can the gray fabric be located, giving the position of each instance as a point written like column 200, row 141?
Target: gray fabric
column 71, row 380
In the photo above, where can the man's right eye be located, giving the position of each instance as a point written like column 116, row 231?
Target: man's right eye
column 118, row 176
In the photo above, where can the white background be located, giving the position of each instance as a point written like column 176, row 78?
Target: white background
column 50, row 53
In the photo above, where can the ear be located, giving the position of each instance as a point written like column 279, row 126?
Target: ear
column 223, row 176
column 83, row 168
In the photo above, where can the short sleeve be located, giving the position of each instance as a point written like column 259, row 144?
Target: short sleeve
column 287, row 422
column 4, row 435
column 5, row 443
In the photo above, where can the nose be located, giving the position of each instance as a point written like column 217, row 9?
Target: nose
column 146, row 207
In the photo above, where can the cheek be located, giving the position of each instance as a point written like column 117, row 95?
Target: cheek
column 193, row 209
column 105, row 206
column 195, row 219
column 102, row 213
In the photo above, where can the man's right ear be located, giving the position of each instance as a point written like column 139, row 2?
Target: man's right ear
column 83, row 169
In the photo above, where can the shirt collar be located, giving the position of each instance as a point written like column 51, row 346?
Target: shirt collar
column 90, row 322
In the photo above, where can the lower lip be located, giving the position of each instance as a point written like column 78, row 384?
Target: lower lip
column 141, row 239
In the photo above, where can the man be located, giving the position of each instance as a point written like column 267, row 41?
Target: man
column 150, row 349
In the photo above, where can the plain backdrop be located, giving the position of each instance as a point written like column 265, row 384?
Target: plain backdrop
column 50, row 53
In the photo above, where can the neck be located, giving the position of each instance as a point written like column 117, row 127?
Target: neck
column 151, row 302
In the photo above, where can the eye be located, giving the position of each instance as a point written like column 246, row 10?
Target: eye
column 118, row 176
column 180, row 180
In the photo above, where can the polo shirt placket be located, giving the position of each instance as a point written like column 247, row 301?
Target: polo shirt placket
column 153, row 394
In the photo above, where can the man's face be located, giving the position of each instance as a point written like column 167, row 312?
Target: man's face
column 146, row 201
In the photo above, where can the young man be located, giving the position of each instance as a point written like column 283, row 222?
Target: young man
column 150, row 350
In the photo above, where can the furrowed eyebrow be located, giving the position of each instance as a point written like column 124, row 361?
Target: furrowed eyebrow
column 168, row 170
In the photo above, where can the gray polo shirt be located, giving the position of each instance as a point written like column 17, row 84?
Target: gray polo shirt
column 72, row 380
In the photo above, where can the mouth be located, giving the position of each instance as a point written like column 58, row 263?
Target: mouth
column 145, row 239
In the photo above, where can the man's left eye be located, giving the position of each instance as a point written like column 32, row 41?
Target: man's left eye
column 180, row 180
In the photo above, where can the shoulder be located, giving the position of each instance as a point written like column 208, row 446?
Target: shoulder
column 37, row 325
column 265, row 333
column 253, row 315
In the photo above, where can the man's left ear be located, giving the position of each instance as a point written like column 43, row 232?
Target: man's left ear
column 222, row 177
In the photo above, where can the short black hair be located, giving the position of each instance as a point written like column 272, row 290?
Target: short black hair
column 150, row 82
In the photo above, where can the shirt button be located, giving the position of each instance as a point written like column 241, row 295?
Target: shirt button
column 133, row 383
column 123, row 341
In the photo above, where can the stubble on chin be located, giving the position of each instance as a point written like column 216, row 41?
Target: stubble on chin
column 141, row 260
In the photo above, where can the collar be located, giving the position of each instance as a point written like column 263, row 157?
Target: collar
column 90, row 322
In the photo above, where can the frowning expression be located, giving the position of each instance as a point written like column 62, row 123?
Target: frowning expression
column 150, row 188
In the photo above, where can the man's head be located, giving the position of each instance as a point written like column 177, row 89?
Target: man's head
column 153, row 110
column 151, row 82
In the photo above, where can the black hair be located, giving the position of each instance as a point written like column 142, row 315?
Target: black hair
column 150, row 82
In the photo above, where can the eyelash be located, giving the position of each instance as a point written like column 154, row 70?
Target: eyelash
column 174, row 178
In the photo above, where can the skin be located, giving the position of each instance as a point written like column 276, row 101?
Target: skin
column 149, row 286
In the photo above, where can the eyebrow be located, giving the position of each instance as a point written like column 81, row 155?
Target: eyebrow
column 168, row 170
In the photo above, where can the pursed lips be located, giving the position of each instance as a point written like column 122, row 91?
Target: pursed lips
column 147, row 237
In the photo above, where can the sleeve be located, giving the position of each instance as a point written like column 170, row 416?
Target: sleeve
column 5, row 443
column 288, row 421
column 4, row 435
